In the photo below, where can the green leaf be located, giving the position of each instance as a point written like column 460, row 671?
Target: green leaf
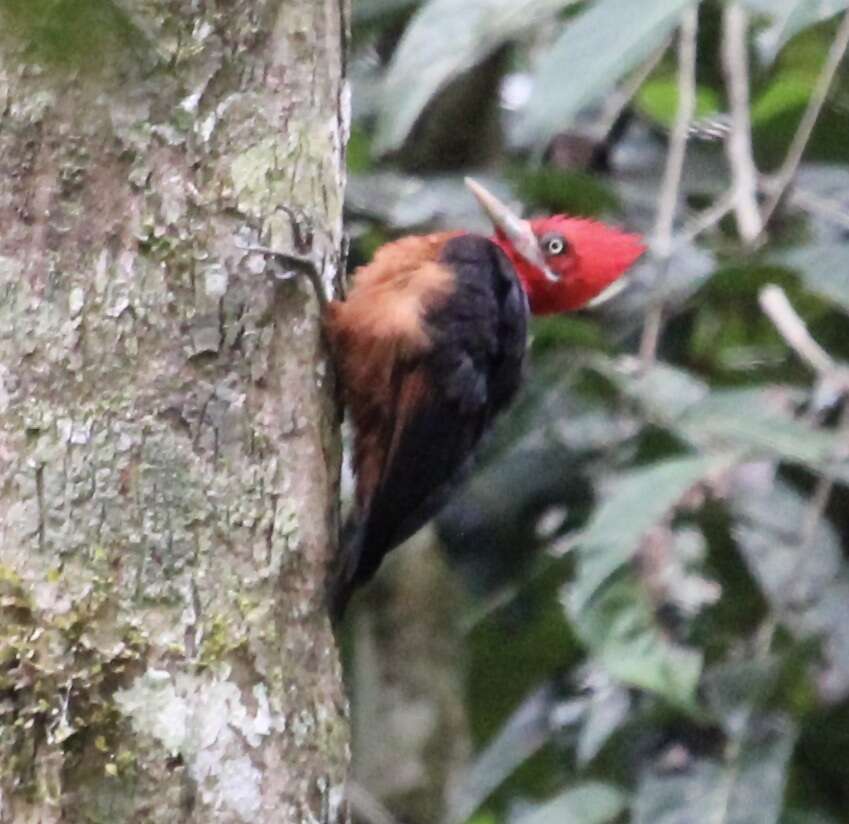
column 799, row 569
column 597, row 48
column 823, row 268
column 607, row 710
column 619, row 627
column 588, row 803
column 788, row 92
column 788, row 18
column 571, row 192
column 732, row 690
column 663, row 392
column 755, row 420
column 746, row 418
column 639, row 501
column 658, row 100
column 609, row 609
column 526, row 731
column 747, row 788
column 444, row 39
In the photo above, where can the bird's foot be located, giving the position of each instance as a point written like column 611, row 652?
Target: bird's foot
column 293, row 265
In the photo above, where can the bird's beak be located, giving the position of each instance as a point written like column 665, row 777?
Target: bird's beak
column 516, row 230
column 608, row 294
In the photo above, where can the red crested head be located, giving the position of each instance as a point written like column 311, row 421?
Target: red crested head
column 586, row 256
column 563, row 263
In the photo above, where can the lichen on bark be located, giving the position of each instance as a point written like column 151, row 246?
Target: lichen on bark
column 168, row 437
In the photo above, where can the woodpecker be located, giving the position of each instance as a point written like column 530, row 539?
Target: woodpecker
column 429, row 347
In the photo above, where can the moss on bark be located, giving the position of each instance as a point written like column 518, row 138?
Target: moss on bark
column 168, row 439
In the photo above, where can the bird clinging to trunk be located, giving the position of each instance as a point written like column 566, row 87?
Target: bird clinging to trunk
column 430, row 345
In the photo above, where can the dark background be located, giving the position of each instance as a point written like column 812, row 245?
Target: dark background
column 638, row 609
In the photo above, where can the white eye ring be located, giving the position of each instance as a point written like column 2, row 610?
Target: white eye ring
column 555, row 246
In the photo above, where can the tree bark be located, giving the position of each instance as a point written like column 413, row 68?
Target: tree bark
column 168, row 433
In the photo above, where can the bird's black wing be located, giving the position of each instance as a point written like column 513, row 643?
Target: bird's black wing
column 444, row 400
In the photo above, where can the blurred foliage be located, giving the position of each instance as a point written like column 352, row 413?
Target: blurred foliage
column 657, row 550
column 584, row 45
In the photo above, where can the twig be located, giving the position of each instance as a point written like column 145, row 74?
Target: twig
column 671, row 186
column 673, row 171
column 366, row 807
column 621, row 97
column 650, row 338
column 787, row 172
column 792, row 328
column 707, row 218
column 822, row 492
column 735, row 65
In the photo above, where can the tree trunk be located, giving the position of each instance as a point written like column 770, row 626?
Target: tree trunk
column 168, row 435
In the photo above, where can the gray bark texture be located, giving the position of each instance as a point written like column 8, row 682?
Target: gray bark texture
column 168, row 433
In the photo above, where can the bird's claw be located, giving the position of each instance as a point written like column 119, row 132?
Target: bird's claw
column 295, row 265
column 298, row 263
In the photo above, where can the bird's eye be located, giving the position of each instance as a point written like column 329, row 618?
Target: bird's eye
column 554, row 245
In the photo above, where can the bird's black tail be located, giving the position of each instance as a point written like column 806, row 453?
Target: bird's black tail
column 367, row 536
column 345, row 580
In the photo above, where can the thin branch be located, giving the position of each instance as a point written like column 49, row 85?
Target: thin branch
column 792, row 328
column 707, row 218
column 788, row 169
column 822, row 493
column 735, row 65
column 621, row 97
column 366, row 807
column 650, row 339
column 671, row 185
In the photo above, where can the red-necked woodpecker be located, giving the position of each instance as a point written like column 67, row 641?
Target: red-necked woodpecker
column 430, row 346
